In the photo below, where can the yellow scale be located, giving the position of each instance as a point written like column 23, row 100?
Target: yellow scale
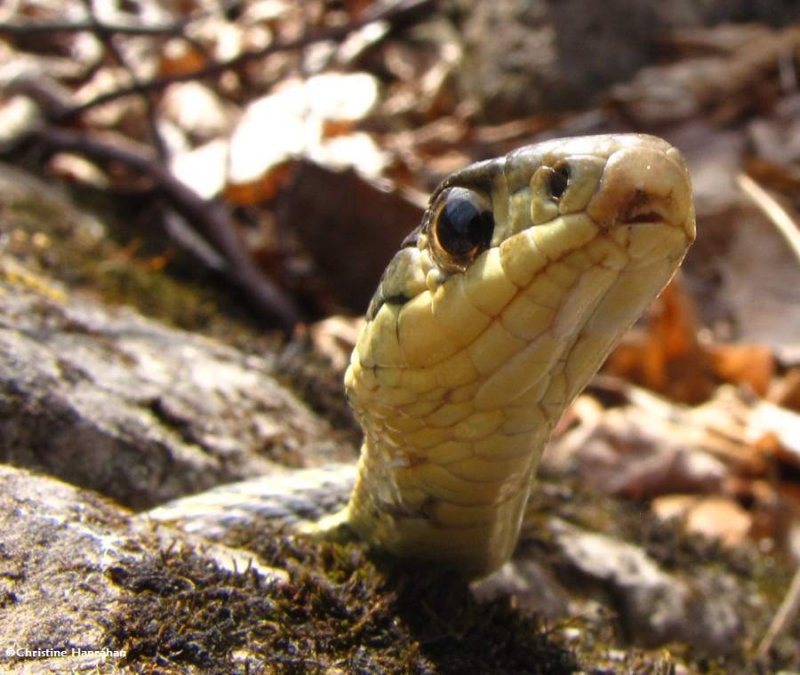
column 525, row 272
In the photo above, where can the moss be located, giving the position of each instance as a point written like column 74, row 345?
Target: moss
column 313, row 377
column 344, row 612
column 122, row 258
column 339, row 612
column 761, row 578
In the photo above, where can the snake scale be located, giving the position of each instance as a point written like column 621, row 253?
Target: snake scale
column 489, row 320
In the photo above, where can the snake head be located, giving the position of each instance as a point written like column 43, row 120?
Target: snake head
column 522, row 276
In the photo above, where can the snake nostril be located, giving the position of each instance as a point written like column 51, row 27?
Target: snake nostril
column 559, row 179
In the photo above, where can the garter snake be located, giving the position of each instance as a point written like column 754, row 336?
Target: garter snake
column 489, row 320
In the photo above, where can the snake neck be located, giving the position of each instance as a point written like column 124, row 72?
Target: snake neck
column 421, row 524
column 524, row 274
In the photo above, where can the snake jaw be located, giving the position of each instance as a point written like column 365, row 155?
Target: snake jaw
column 466, row 363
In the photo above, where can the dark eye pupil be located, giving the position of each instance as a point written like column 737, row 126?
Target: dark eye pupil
column 464, row 226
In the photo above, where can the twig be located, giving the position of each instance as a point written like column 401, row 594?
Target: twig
column 786, row 226
column 783, row 618
column 175, row 29
column 336, row 33
column 211, row 220
column 25, row 29
column 776, row 214
column 106, row 38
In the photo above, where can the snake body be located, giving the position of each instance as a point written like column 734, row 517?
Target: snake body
column 491, row 318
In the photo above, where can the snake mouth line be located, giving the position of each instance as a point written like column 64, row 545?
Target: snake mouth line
column 640, row 218
column 646, row 209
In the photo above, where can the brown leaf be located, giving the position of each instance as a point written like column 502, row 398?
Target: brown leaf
column 665, row 356
column 293, row 122
column 179, row 58
column 753, row 365
column 630, row 452
column 262, row 188
column 786, row 392
column 349, row 226
column 713, row 516
column 776, row 431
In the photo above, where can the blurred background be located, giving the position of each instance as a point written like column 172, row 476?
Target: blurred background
column 257, row 162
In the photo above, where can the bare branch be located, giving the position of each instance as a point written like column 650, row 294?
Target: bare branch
column 211, row 220
column 25, row 29
column 387, row 13
column 106, row 38
column 783, row 618
column 770, row 207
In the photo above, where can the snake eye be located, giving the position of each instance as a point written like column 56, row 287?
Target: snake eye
column 461, row 227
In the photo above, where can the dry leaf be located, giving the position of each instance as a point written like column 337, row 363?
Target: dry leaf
column 780, row 424
column 335, row 339
column 786, row 392
column 291, row 122
column 203, row 169
column 713, row 516
column 178, row 57
column 629, row 453
column 350, row 226
column 753, row 365
column 665, row 355
column 197, row 110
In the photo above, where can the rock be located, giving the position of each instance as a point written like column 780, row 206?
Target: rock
column 66, row 554
column 531, row 66
column 296, row 499
column 534, row 587
column 57, row 544
column 551, row 56
column 654, row 607
column 140, row 412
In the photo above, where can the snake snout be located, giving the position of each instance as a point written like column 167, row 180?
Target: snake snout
column 643, row 185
